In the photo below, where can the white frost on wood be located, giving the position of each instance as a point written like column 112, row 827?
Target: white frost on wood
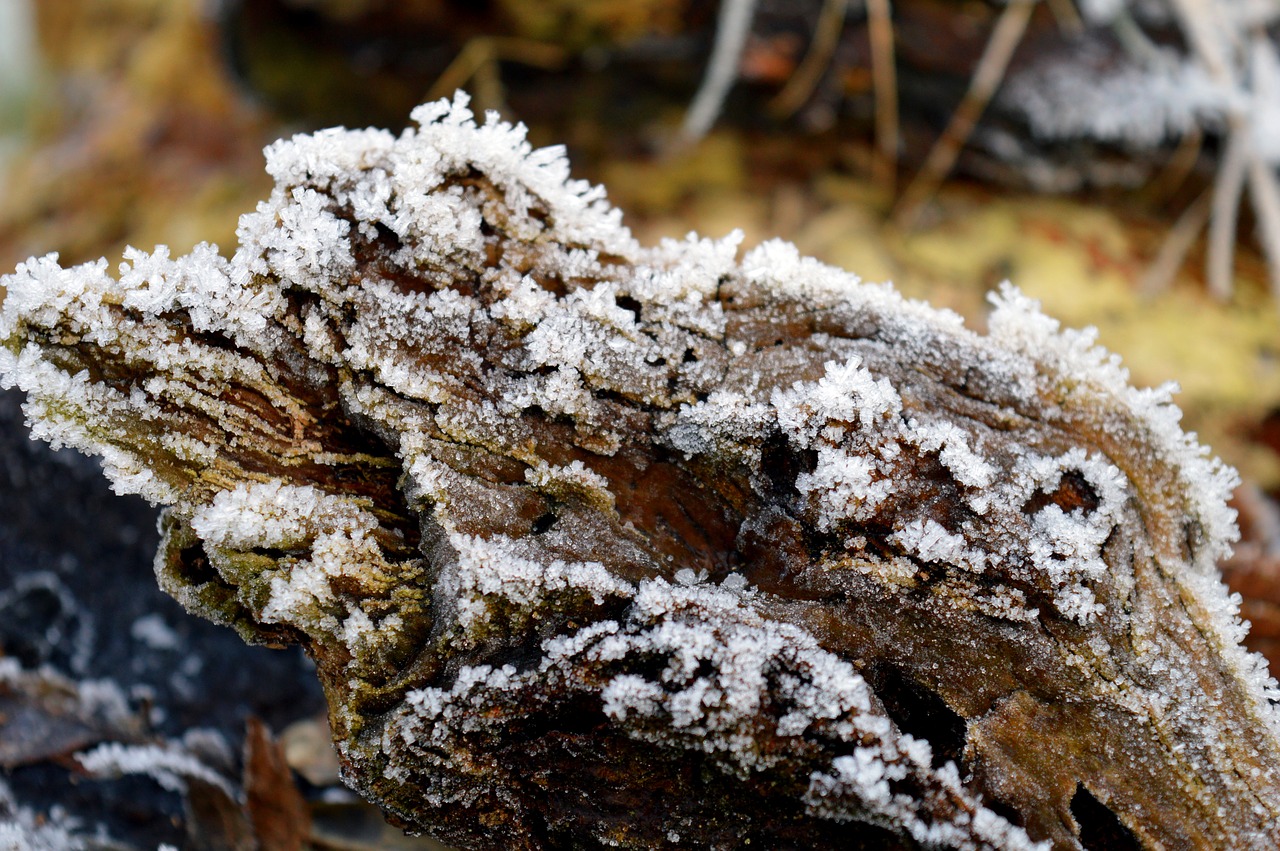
column 329, row 542
column 724, row 663
column 497, row 573
column 651, row 332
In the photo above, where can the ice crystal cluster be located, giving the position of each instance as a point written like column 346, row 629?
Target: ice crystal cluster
column 600, row 544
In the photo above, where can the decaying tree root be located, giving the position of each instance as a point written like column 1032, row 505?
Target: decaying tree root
column 596, row 544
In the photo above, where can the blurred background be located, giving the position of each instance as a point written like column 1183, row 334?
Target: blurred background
column 1116, row 160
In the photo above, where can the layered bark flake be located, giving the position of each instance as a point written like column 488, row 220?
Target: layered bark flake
column 597, row 544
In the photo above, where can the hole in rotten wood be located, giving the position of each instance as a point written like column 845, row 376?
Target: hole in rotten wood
column 1073, row 491
column 782, row 464
column 543, row 523
column 920, row 713
column 626, row 302
column 1100, row 828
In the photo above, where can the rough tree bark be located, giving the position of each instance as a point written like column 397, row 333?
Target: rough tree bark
column 601, row 544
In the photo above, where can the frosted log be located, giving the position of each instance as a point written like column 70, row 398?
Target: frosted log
column 602, row 544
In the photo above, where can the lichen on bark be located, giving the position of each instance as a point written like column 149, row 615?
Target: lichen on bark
column 598, row 544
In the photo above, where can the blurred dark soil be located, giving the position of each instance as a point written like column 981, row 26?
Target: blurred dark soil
column 77, row 596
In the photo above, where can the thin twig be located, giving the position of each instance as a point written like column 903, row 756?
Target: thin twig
column 986, row 79
column 474, row 55
column 478, row 60
column 732, row 27
column 1134, row 40
column 1263, row 186
column 1177, row 244
column 1199, row 23
column 1228, row 187
column 826, row 36
column 884, row 81
column 1211, row 44
column 1265, row 191
column 1067, row 16
column 1178, row 166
